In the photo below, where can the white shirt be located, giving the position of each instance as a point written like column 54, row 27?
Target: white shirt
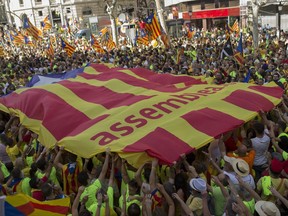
column 261, row 145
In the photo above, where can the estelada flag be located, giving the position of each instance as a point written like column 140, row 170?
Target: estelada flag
column 135, row 112
column 21, row 204
column 69, row 49
column 31, row 29
column 46, row 24
column 153, row 26
column 95, row 44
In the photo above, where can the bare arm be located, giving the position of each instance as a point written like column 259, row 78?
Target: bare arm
column 183, row 205
column 248, row 188
column 138, row 175
column 77, row 201
column 206, row 211
column 152, row 178
column 171, row 208
column 57, row 158
column 279, row 196
column 223, row 189
column 124, row 173
column 105, row 166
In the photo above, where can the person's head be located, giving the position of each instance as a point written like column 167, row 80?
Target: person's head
column 85, row 212
column 197, row 185
column 41, row 164
column 275, row 168
column 133, row 187
column 134, row 210
column 16, row 173
column 47, row 189
column 83, row 178
column 242, row 150
column 35, row 182
column 259, row 128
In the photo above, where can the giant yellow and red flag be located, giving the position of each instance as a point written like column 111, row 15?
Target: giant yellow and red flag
column 21, row 204
column 135, row 112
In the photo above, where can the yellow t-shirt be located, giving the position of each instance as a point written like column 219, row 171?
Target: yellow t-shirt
column 93, row 207
column 128, row 202
column 4, row 170
column 90, row 191
column 195, row 205
column 12, row 152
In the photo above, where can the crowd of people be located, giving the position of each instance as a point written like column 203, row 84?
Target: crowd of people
column 244, row 172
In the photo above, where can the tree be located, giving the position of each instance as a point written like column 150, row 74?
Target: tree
column 110, row 10
column 256, row 4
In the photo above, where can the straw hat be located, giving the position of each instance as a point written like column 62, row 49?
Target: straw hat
column 240, row 166
column 266, row 208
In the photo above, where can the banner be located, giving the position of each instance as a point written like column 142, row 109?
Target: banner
column 136, row 112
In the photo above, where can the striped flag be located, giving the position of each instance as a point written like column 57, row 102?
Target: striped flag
column 46, row 24
column 27, row 41
column 134, row 111
column 31, row 29
column 23, row 205
column 2, row 53
column 69, row 49
column 227, row 51
column 235, row 26
column 227, row 31
column 96, row 45
column 16, row 37
column 50, row 50
column 239, row 52
column 153, row 26
column 141, row 38
column 103, row 31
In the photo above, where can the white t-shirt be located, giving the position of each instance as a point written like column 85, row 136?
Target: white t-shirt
column 261, row 145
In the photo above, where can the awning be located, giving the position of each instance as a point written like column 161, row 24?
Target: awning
column 213, row 13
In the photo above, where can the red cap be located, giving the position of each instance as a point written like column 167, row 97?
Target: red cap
column 276, row 166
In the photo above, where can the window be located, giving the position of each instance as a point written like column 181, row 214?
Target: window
column 86, row 11
column 40, row 13
column 21, row 2
column 38, row 2
column 68, row 10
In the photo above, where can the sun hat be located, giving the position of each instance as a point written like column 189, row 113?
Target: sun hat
column 198, row 184
column 266, row 208
column 240, row 166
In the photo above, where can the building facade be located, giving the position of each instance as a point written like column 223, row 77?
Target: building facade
column 61, row 11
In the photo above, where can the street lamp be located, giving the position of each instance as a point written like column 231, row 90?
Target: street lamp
column 280, row 8
column 190, row 15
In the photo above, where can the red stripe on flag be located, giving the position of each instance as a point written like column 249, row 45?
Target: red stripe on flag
column 164, row 79
column 130, row 81
column 102, row 95
column 215, row 122
column 165, row 151
column 249, row 101
column 52, row 208
column 26, row 209
column 28, row 102
column 276, row 91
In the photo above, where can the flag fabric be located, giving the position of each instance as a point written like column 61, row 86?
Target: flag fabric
column 16, row 37
column 50, row 50
column 135, row 112
column 27, row 41
column 96, row 46
column 227, row 50
column 165, row 40
column 46, row 24
column 239, row 52
column 103, row 31
column 141, row 38
column 247, row 77
column 21, row 204
column 153, row 26
column 2, row 53
column 235, row 26
column 31, row 29
column 69, row 49
column 227, row 31
column 110, row 44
